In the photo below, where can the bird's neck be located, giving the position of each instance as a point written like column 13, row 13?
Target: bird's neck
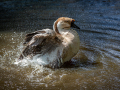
column 59, row 30
column 55, row 27
column 63, row 31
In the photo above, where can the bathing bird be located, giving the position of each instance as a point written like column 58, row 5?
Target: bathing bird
column 52, row 48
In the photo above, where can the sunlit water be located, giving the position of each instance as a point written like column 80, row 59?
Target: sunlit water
column 95, row 67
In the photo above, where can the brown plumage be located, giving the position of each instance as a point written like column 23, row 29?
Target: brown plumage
column 40, row 44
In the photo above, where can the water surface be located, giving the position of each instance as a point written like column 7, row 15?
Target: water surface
column 95, row 67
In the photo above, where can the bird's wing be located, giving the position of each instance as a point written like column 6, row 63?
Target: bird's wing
column 29, row 36
column 40, row 43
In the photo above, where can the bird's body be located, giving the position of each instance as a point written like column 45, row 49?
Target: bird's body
column 53, row 47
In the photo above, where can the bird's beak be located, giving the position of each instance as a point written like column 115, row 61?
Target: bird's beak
column 73, row 25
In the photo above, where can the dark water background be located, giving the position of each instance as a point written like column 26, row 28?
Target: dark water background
column 95, row 67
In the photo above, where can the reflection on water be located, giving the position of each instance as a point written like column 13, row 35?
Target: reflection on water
column 95, row 67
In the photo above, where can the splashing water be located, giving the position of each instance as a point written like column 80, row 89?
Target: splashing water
column 95, row 67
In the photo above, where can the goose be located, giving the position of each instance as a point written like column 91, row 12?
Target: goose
column 52, row 48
